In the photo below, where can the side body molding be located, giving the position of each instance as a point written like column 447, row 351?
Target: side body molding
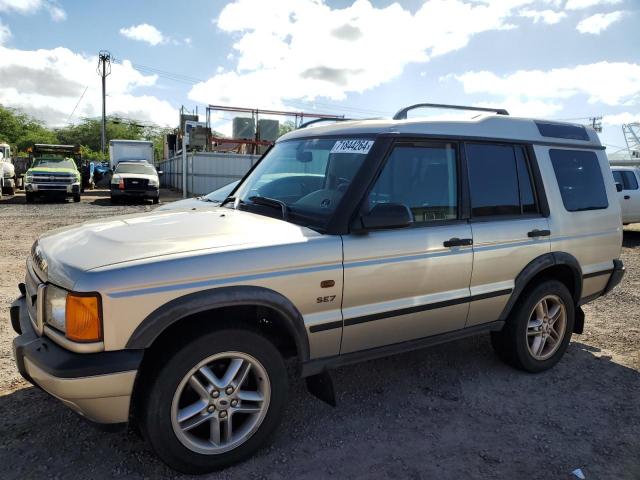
column 161, row 318
column 538, row 265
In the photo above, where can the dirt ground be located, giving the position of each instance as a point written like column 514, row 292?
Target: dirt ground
column 452, row 411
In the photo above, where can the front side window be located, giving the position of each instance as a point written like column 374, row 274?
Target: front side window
column 305, row 179
column 625, row 178
column 500, row 181
column 424, row 178
column 580, row 179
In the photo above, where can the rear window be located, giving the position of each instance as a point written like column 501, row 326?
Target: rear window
column 580, row 179
column 560, row 130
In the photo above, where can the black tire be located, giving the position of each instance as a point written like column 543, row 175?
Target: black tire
column 157, row 397
column 11, row 191
column 114, row 200
column 511, row 342
column 76, row 198
column 156, row 200
column 29, row 197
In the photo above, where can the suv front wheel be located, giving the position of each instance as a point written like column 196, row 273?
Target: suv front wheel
column 215, row 401
column 539, row 328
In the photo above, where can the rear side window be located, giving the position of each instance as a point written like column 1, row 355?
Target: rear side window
column 499, row 181
column 626, row 178
column 580, row 179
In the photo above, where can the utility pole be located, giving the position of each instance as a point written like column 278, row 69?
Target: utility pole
column 104, row 69
column 596, row 123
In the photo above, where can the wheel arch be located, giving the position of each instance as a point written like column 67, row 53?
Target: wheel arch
column 561, row 266
column 179, row 309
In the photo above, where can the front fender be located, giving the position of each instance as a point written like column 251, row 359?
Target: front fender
column 166, row 315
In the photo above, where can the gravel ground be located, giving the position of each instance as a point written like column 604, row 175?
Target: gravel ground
column 452, row 411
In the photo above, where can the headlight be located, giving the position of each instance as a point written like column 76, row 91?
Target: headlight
column 153, row 182
column 55, row 307
column 28, row 178
column 77, row 315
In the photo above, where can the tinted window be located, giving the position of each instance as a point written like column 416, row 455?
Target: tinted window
column 580, row 179
column 422, row 178
column 617, row 177
column 625, row 178
column 493, row 180
column 527, row 195
column 560, row 130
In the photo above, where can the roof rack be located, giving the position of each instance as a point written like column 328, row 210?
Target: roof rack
column 402, row 114
column 318, row 120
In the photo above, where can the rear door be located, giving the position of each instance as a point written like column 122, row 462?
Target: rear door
column 507, row 222
column 410, row 283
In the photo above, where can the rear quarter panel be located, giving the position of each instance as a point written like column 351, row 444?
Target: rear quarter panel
column 593, row 237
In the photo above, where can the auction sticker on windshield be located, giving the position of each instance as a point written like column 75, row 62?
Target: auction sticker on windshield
column 352, row 146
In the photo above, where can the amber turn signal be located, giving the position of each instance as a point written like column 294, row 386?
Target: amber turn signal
column 84, row 317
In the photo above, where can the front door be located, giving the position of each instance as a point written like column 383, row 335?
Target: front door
column 412, row 282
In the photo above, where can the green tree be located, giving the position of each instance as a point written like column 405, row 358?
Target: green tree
column 21, row 130
column 286, row 127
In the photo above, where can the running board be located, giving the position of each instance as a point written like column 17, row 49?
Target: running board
column 320, row 365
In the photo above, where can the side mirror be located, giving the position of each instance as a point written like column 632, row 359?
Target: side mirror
column 618, row 187
column 387, row 215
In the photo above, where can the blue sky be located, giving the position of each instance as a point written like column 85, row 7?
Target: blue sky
column 561, row 59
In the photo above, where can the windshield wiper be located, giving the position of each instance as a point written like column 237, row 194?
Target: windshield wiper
column 227, row 200
column 272, row 202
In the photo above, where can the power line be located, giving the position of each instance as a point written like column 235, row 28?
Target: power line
column 79, row 100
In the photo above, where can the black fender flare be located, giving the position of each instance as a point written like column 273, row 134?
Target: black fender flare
column 169, row 313
column 539, row 264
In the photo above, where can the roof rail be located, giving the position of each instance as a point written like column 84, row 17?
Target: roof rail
column 402, row 114
column 318, row 120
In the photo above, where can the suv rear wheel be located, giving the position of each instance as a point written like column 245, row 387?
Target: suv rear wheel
column 539, row 328
column 215, row 401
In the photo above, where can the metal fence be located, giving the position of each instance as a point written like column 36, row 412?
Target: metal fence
column 206, row 171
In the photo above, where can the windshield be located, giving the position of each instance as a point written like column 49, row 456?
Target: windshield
column 306, row 178
column 220, row 194
column 141, row 168
column 53, row 162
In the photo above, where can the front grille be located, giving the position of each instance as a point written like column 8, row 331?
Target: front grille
column 135, row 183
column 45, row 178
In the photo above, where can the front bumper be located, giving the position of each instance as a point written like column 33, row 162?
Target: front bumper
column 147, row 192
column 53, row 188
column 98, row 386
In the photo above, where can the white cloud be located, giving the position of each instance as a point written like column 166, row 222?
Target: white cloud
column 144, row 33
column 32, row 6
column 549, row 17
column 5, row 33
column 599, row 22
column 304, row 49
column 604, row 82
column 582, row 4
column 48, row 83
column 619, row 119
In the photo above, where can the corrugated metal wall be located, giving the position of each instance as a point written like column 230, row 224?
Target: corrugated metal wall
column 206, row 171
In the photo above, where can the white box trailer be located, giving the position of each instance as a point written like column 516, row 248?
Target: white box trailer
column 130, row 150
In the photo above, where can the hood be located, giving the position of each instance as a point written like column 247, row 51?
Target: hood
column 118, row 176
column 52, row 170
column 187, row 204
column 79, row 248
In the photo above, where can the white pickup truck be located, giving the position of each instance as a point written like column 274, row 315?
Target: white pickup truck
column 628, row 178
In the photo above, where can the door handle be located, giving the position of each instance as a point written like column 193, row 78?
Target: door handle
column 458, row 242
column 627, row 197
column 538, row 233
